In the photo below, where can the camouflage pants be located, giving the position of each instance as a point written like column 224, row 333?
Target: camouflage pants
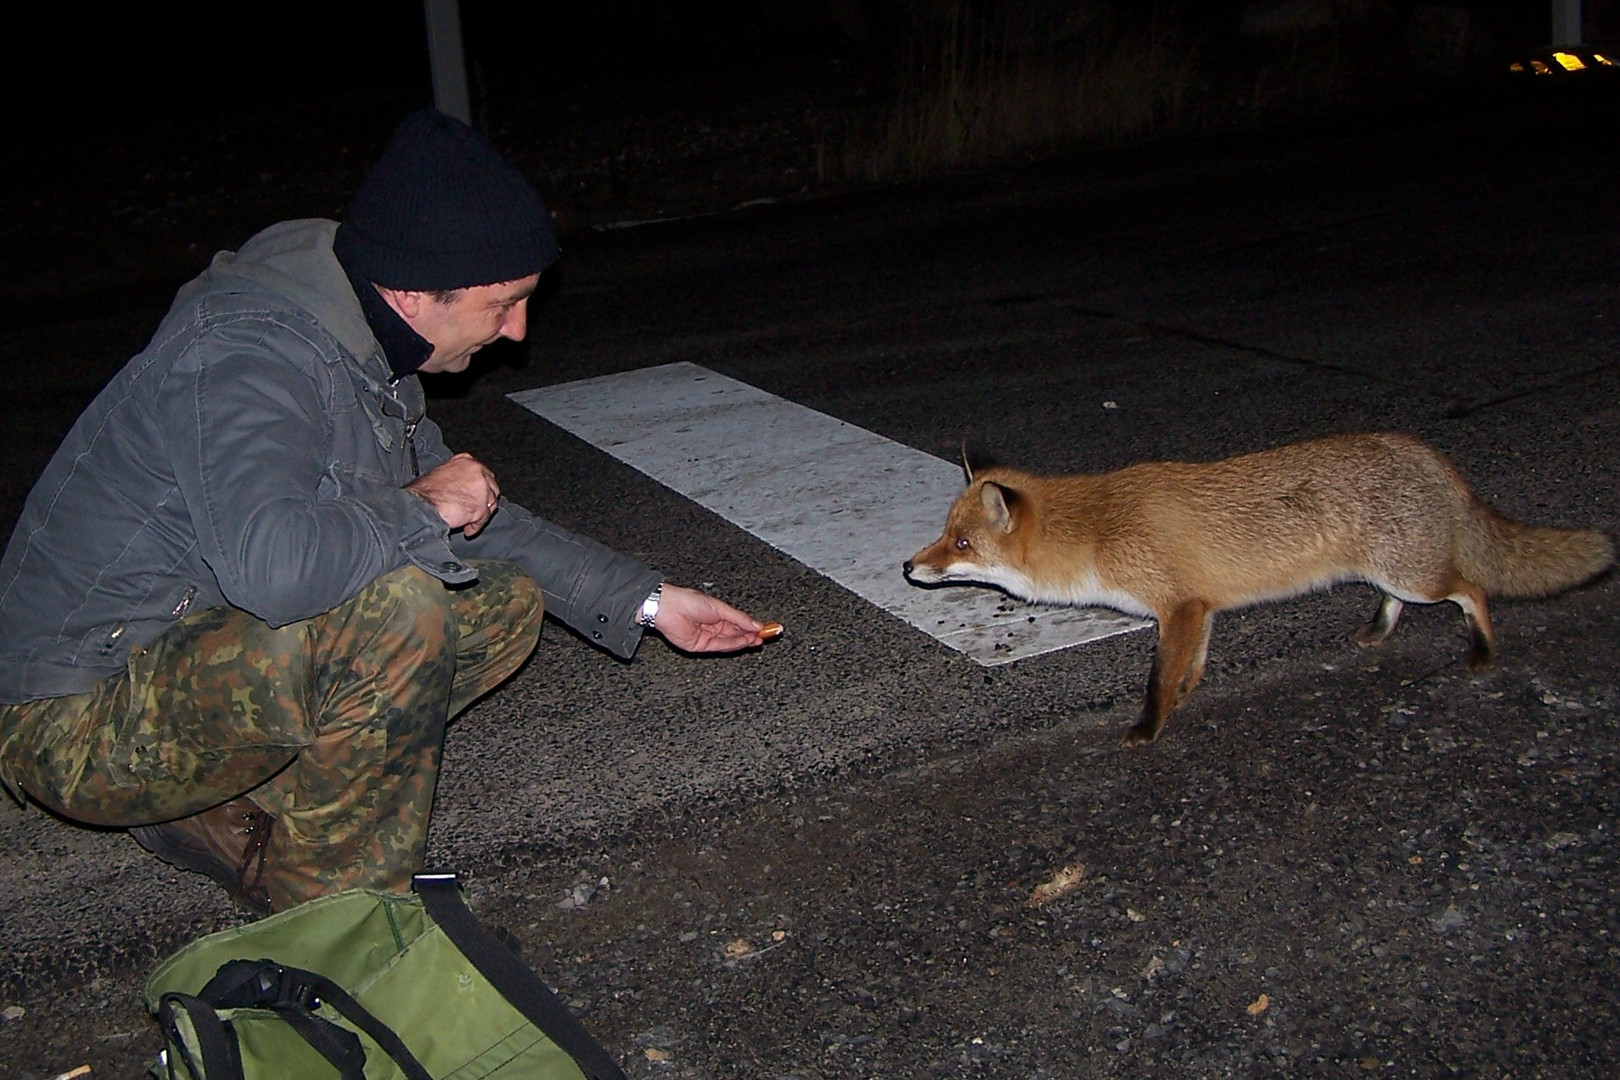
column 334, row 724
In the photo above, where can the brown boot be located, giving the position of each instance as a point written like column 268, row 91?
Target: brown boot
column 227, row 843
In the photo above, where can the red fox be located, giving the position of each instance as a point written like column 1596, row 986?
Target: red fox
column 1179, row 542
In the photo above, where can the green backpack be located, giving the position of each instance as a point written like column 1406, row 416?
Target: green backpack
column 367, row 986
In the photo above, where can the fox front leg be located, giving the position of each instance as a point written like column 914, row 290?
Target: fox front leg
column 1178, row 666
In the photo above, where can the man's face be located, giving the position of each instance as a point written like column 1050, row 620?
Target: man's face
column 473, row 318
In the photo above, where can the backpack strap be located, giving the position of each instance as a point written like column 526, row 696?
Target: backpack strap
column 294, row 994
column 340, row 1047
column 215, row 1038
column 517, row 982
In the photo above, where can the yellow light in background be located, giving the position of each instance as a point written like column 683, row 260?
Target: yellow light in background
column 1539, row 68
column 1604, row 60
column 1569, row 61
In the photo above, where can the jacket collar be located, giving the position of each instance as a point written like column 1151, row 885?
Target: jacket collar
column 294, row 260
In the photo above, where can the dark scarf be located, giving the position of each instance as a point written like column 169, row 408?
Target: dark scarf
column 405, row 349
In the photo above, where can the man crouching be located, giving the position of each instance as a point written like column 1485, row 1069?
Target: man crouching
column 253, row 584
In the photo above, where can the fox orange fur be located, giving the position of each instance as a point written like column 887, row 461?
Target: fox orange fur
column 1180, row 542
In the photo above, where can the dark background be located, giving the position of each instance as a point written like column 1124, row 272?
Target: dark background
column 75, row 72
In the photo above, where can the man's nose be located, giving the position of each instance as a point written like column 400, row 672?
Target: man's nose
column 517, row 322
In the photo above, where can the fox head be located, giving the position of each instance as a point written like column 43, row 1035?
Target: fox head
column 980, row 541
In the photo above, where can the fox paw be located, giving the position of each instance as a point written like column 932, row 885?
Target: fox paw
column 1139, row 735
column 1370, row 635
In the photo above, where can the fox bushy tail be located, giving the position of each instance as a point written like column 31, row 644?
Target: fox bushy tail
column 1510, row 559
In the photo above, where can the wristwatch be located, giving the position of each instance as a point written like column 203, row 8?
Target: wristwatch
column 649, row 606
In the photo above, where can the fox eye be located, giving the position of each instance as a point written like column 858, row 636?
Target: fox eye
column 962, row 543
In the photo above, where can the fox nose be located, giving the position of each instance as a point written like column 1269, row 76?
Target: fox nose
column 905, row 567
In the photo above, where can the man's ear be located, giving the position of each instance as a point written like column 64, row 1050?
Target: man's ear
column 408, row 302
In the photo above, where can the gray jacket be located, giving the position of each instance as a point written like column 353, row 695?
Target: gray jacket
column 255, row 455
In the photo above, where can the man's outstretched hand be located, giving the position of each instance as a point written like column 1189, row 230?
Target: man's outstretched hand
column 696, row 622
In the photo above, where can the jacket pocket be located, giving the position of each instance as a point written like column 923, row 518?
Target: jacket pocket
column 343, row 479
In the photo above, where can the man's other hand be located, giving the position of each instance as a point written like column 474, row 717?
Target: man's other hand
column 462, row 490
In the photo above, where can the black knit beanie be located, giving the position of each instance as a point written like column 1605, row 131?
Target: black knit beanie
column 441, row 209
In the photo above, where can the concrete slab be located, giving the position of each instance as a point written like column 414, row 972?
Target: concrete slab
column 844, row 501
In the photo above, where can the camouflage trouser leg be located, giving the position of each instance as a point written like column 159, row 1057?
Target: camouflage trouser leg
column 334, row 724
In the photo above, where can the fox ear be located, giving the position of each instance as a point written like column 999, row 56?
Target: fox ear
column 998, row 503
column 977, row 460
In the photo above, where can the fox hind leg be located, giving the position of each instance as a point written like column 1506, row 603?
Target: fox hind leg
column 1382, row 622
column 1481, row 634
column 1178, row 666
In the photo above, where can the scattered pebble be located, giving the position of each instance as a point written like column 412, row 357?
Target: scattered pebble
column 1062, row 883
column 578, row 896
column 1450, row 919
column 582, row 894
column 661, row 1036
